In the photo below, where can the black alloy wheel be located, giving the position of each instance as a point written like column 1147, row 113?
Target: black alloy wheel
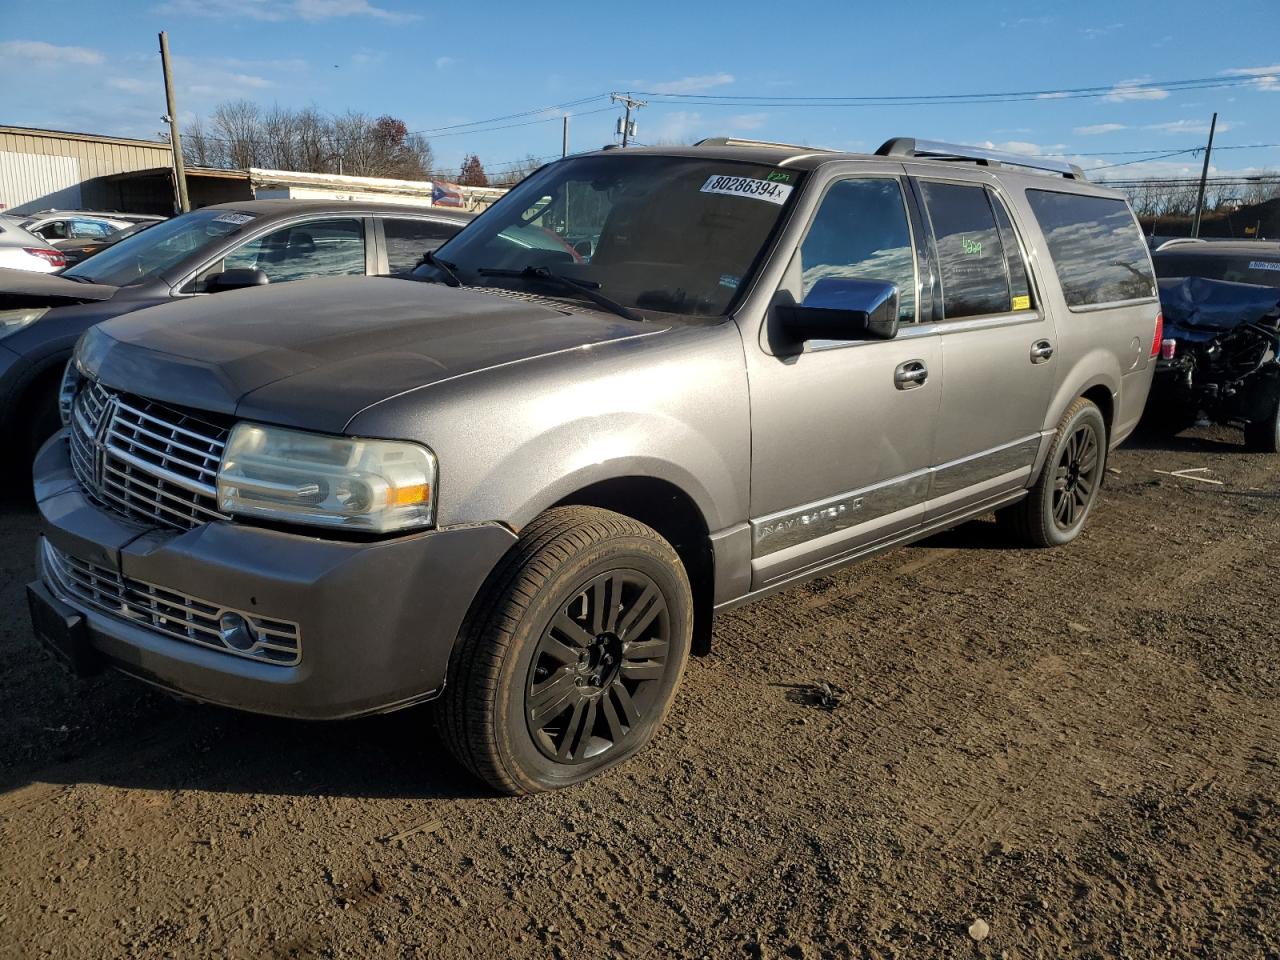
column 1076, row 478
column 1055, row 508
column 572, row 652
column 597, row 667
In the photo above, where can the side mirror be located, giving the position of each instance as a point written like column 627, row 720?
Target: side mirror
column 235, row 279
column 844, row 309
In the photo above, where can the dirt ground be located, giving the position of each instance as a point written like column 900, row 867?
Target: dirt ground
column 1077, row 747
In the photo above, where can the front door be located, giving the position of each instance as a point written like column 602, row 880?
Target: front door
column 842, row 432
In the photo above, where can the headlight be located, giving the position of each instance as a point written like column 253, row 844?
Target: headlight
column 371, row 485
column 11, row 321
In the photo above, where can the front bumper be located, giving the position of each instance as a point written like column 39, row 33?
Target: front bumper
column 376, row 620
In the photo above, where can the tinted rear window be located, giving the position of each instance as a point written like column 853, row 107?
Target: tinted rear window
column 1098, row 251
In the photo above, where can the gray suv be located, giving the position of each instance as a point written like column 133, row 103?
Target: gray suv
column 644, row 387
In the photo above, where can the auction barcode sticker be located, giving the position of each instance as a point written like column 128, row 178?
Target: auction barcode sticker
column 748, row 187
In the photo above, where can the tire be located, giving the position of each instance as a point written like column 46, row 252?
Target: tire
column 1055, row 511
column 1264, row 435
column 571, row 654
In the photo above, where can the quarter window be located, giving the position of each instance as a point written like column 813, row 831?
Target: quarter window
column 861, row 232
column 408, row 240
column 322, row 248
column 1097, row 249
column 971, row 258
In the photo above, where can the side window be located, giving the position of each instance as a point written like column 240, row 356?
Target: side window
column 1097, row 249
column 408, row 240
column 321, row 248
column 89, row 229
column 971, row 260
column 1019, row 285
column 54, row 230
column 861, row 232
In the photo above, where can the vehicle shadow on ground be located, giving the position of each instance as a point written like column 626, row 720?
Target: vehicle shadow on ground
column 981, row 534
column 1221, row 442
column 181, row 746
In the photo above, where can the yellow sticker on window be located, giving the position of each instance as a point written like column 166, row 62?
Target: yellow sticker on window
column 1021, row 303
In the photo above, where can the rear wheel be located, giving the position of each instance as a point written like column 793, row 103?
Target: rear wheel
column 1055, row 510
column 1263, row 436
column 572, row 654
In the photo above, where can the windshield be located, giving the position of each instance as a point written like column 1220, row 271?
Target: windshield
column 1261, row 269
column 155, row 249
column 674, row 234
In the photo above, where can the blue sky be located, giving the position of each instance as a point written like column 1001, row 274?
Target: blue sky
column 93, row 66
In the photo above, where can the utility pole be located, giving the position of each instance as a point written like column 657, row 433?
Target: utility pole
column 628, row 129
column 564, row 137
column 175, row 138
column 1204, row 176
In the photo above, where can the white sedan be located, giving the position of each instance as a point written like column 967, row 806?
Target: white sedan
column 25, row 251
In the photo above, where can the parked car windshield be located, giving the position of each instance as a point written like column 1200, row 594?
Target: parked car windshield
column 155, row 249
column 673, row 234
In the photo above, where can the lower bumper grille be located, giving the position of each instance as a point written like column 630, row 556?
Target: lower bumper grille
column 169, row 612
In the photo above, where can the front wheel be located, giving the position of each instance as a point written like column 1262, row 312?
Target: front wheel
column 1055, row 510
column 572, row 653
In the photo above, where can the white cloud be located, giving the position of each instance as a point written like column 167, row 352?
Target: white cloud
column 278, row 10
column 1096, row 128
column 698, row 84
column 746, row 121
column 132, row 85
column 1093, row 33
column 1057, row 95
column 1130, row 90
column 1254, row 71
column 444, row 63
column 1025, row 148
column 1265, row 78
column 1188, row 126
column 679, row 126
column 50, row 54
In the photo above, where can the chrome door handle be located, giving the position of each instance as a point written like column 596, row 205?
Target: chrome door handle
column 1041, row 351
column 911, row 374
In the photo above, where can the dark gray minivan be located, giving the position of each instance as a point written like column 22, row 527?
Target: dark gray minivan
column 645, row 386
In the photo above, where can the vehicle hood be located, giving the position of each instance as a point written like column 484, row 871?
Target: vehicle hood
column 314, row 353
column 1198, row 308
column 24, row 288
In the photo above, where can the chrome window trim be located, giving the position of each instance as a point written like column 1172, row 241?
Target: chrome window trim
column 1112, row 305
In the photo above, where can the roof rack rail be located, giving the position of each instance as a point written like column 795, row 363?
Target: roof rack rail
column 936, row 150
column 741, row 142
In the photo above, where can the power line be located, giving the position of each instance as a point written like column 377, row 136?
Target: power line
column 1124, row 90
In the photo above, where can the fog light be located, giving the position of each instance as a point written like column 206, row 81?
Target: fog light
column 235, row 631
column 1168, row 348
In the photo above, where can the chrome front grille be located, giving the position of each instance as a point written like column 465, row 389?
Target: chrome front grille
column 146, row 460
column 169, row 612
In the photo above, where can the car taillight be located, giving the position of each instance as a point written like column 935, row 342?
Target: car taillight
column 1155, row 341
column 55, row 257
column 1168, row 348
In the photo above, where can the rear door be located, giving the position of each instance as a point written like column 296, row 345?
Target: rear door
column 997, row 346
column 403, row 240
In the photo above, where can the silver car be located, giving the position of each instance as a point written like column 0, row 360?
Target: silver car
column 22, row 250
column 646, row 386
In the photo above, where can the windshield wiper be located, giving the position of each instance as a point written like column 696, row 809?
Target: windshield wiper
column 450, row 270
column 588, row 288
